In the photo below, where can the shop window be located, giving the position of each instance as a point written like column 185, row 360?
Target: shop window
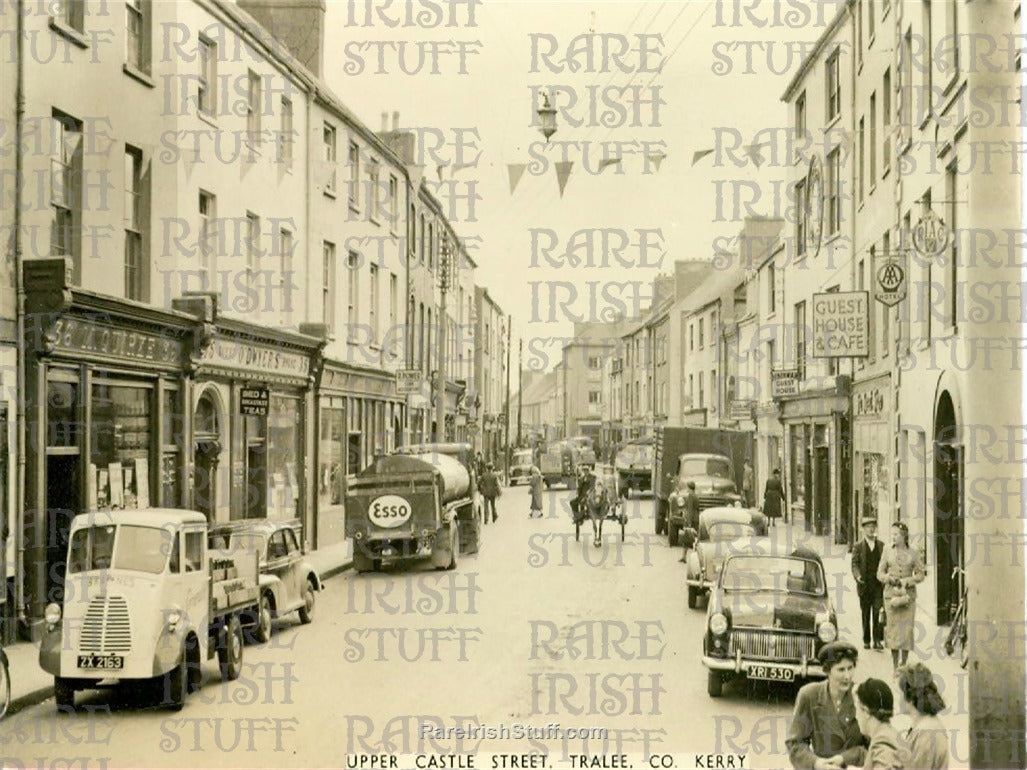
column 282, row 457
column 331, row 470
column 120, row 447
column 61, row 412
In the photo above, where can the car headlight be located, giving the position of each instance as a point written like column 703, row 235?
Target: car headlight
column 173, row 618
column 718, row 623
column 359, row 535
column 52, row 614
column 827, row 631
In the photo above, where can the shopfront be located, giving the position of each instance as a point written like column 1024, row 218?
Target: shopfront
column 251, row 403
column 873, row 452
column 359, row 415
column 106, row 384
column 818, row 460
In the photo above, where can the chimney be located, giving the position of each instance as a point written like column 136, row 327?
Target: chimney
column 385, row 122
column 395, row 120
column 299, row 25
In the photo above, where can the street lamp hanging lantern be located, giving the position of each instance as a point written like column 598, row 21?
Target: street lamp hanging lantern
column 547, row 118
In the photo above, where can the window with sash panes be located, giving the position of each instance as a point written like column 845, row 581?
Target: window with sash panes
column 65, row 189
column 393, row 203
column 285, row 246
column 285, row 137
column 253, row 107
column 800, row 217
column 800, row 339
column 252, row 247
column 861, row 154
column 886, row 122
column 800, row 115
column 328, row 284
column 353, row 294
column 137, row 34
column 207, row 93
column 872, row 142
column 373, row 303
column 354, row 175
column 833, row 86
column 208, row 234
column 834, row 191
column 374, row 181
column 135, row 286
column 71, row 13
column 328, row 136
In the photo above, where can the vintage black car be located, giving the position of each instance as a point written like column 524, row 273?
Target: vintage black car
column 767, row 618
column 722, row 532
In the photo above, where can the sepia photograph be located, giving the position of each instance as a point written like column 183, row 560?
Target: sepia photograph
column 513, row 384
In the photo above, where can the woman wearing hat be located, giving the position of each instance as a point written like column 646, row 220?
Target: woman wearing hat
column 824, row 734
column 874, row 708
column 899, row 571
column 773, row 497
column 535, row 484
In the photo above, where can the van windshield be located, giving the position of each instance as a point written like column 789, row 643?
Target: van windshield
column 128, row 547
column 705, row 466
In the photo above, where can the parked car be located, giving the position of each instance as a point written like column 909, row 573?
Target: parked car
column 520, row 465
column 767, row 618
column 721, row 532
column 714, row 486
column 634, row 464
column 288, row 582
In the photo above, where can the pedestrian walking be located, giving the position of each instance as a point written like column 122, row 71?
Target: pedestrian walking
column 773, row 497
column 691, row 517
column 748, row 483
column 490, row 490
column 535, row 487
column 866, row 558
column 899, row 571
column 824, row 733
column 928, row 740
column 874, row 709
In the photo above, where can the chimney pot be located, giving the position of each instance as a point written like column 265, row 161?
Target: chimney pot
column 385, row 122
column 395, row 120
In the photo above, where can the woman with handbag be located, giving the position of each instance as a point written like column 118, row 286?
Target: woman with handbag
column 899, row 571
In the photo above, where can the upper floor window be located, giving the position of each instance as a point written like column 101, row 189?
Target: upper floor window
column 137, row 34
column 354, row 175
column 772, row 287
column 328, row 145
column 253, row 107
column 834, row 191
column 135, row 276
column 374, row 204
column 800, row 115
column 285, row 138
column 393, row 202
column 834, row 86
column 71, row 13
column 207, row 97
column 702, row 335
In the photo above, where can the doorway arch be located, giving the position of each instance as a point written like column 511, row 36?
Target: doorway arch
column 208, row 424
column 949, row 526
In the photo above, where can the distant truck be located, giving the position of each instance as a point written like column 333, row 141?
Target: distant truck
column 559, row 463
column 417, row 502
column 634, row 466
column 147, row 599
column 711, row 458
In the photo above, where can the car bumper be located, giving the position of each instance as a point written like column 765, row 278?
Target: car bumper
column 740, row 665
column 704, row 585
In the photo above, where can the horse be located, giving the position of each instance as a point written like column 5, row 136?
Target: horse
column 597, row 505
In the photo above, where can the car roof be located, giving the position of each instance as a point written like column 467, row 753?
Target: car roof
column 706, row 455
column 259, row 526
column 716, row 515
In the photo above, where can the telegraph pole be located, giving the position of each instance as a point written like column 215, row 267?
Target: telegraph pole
column 506, row 409
column 440, row 369
column 520, row 387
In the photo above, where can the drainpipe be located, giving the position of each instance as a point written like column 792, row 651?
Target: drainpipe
column 19, row 424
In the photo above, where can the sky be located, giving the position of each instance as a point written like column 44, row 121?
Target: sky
column 716, row 70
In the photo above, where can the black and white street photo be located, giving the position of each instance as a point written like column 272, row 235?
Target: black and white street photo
column 512, row 384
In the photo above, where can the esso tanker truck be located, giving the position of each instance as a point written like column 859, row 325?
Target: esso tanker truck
column 410, row 505
column 146, row 598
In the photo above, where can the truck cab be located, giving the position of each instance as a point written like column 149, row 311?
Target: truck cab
column 145, row 598
column 713, row 477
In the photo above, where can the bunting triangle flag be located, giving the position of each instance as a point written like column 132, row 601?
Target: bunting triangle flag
column 698, row 155
column 753, row 153
column 515, row 170
column 563, row 171
column 657, row 158
column 608, row 162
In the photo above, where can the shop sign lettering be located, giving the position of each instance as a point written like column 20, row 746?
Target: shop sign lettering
column 248, row 356
column 840, row 328
column 784, row 382
column 868, row 403
column 81, row 336
column 254, row 401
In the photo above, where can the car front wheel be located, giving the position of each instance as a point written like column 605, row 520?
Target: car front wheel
column 714, row 683
column 693, row 597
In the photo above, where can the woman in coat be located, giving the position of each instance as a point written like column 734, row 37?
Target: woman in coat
column 535, row 487
column 773, row 497
column 899, row 571
column 928, row 740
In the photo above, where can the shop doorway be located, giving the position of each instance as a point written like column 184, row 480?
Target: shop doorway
column 397, row 431
column 63, row 501
column 822, row 490
column 948, row 508
column 354, row 460
column 206, row 455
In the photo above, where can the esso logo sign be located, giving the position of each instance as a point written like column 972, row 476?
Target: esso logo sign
column 389, row 511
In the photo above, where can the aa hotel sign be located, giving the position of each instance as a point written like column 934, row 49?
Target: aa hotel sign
column 840, row 326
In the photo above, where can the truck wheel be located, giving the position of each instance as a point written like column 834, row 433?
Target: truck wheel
column 176, row 684
column 455, row 549
column 361, row 562
column 307, row 610
column 64, row 694
column 673, row 532
column 661, row 519
column 693, row 597
column 230, row 650
column 261, row 633
column 714, row 683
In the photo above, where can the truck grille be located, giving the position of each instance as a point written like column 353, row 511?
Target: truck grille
column 769, row 645
column 105, row 627
column 711, row 501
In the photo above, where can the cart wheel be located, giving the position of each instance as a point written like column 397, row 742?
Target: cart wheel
column 577, row 530
column 622, row 529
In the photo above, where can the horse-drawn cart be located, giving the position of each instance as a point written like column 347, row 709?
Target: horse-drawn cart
column 603, row 503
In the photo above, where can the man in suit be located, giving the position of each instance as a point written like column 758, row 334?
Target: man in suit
column 865, row 558
column 824, row 734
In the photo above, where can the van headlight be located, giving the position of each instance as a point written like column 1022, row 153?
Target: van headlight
column 173, row 618
column 718, row 623
column 52, row 614
column 827, row 631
